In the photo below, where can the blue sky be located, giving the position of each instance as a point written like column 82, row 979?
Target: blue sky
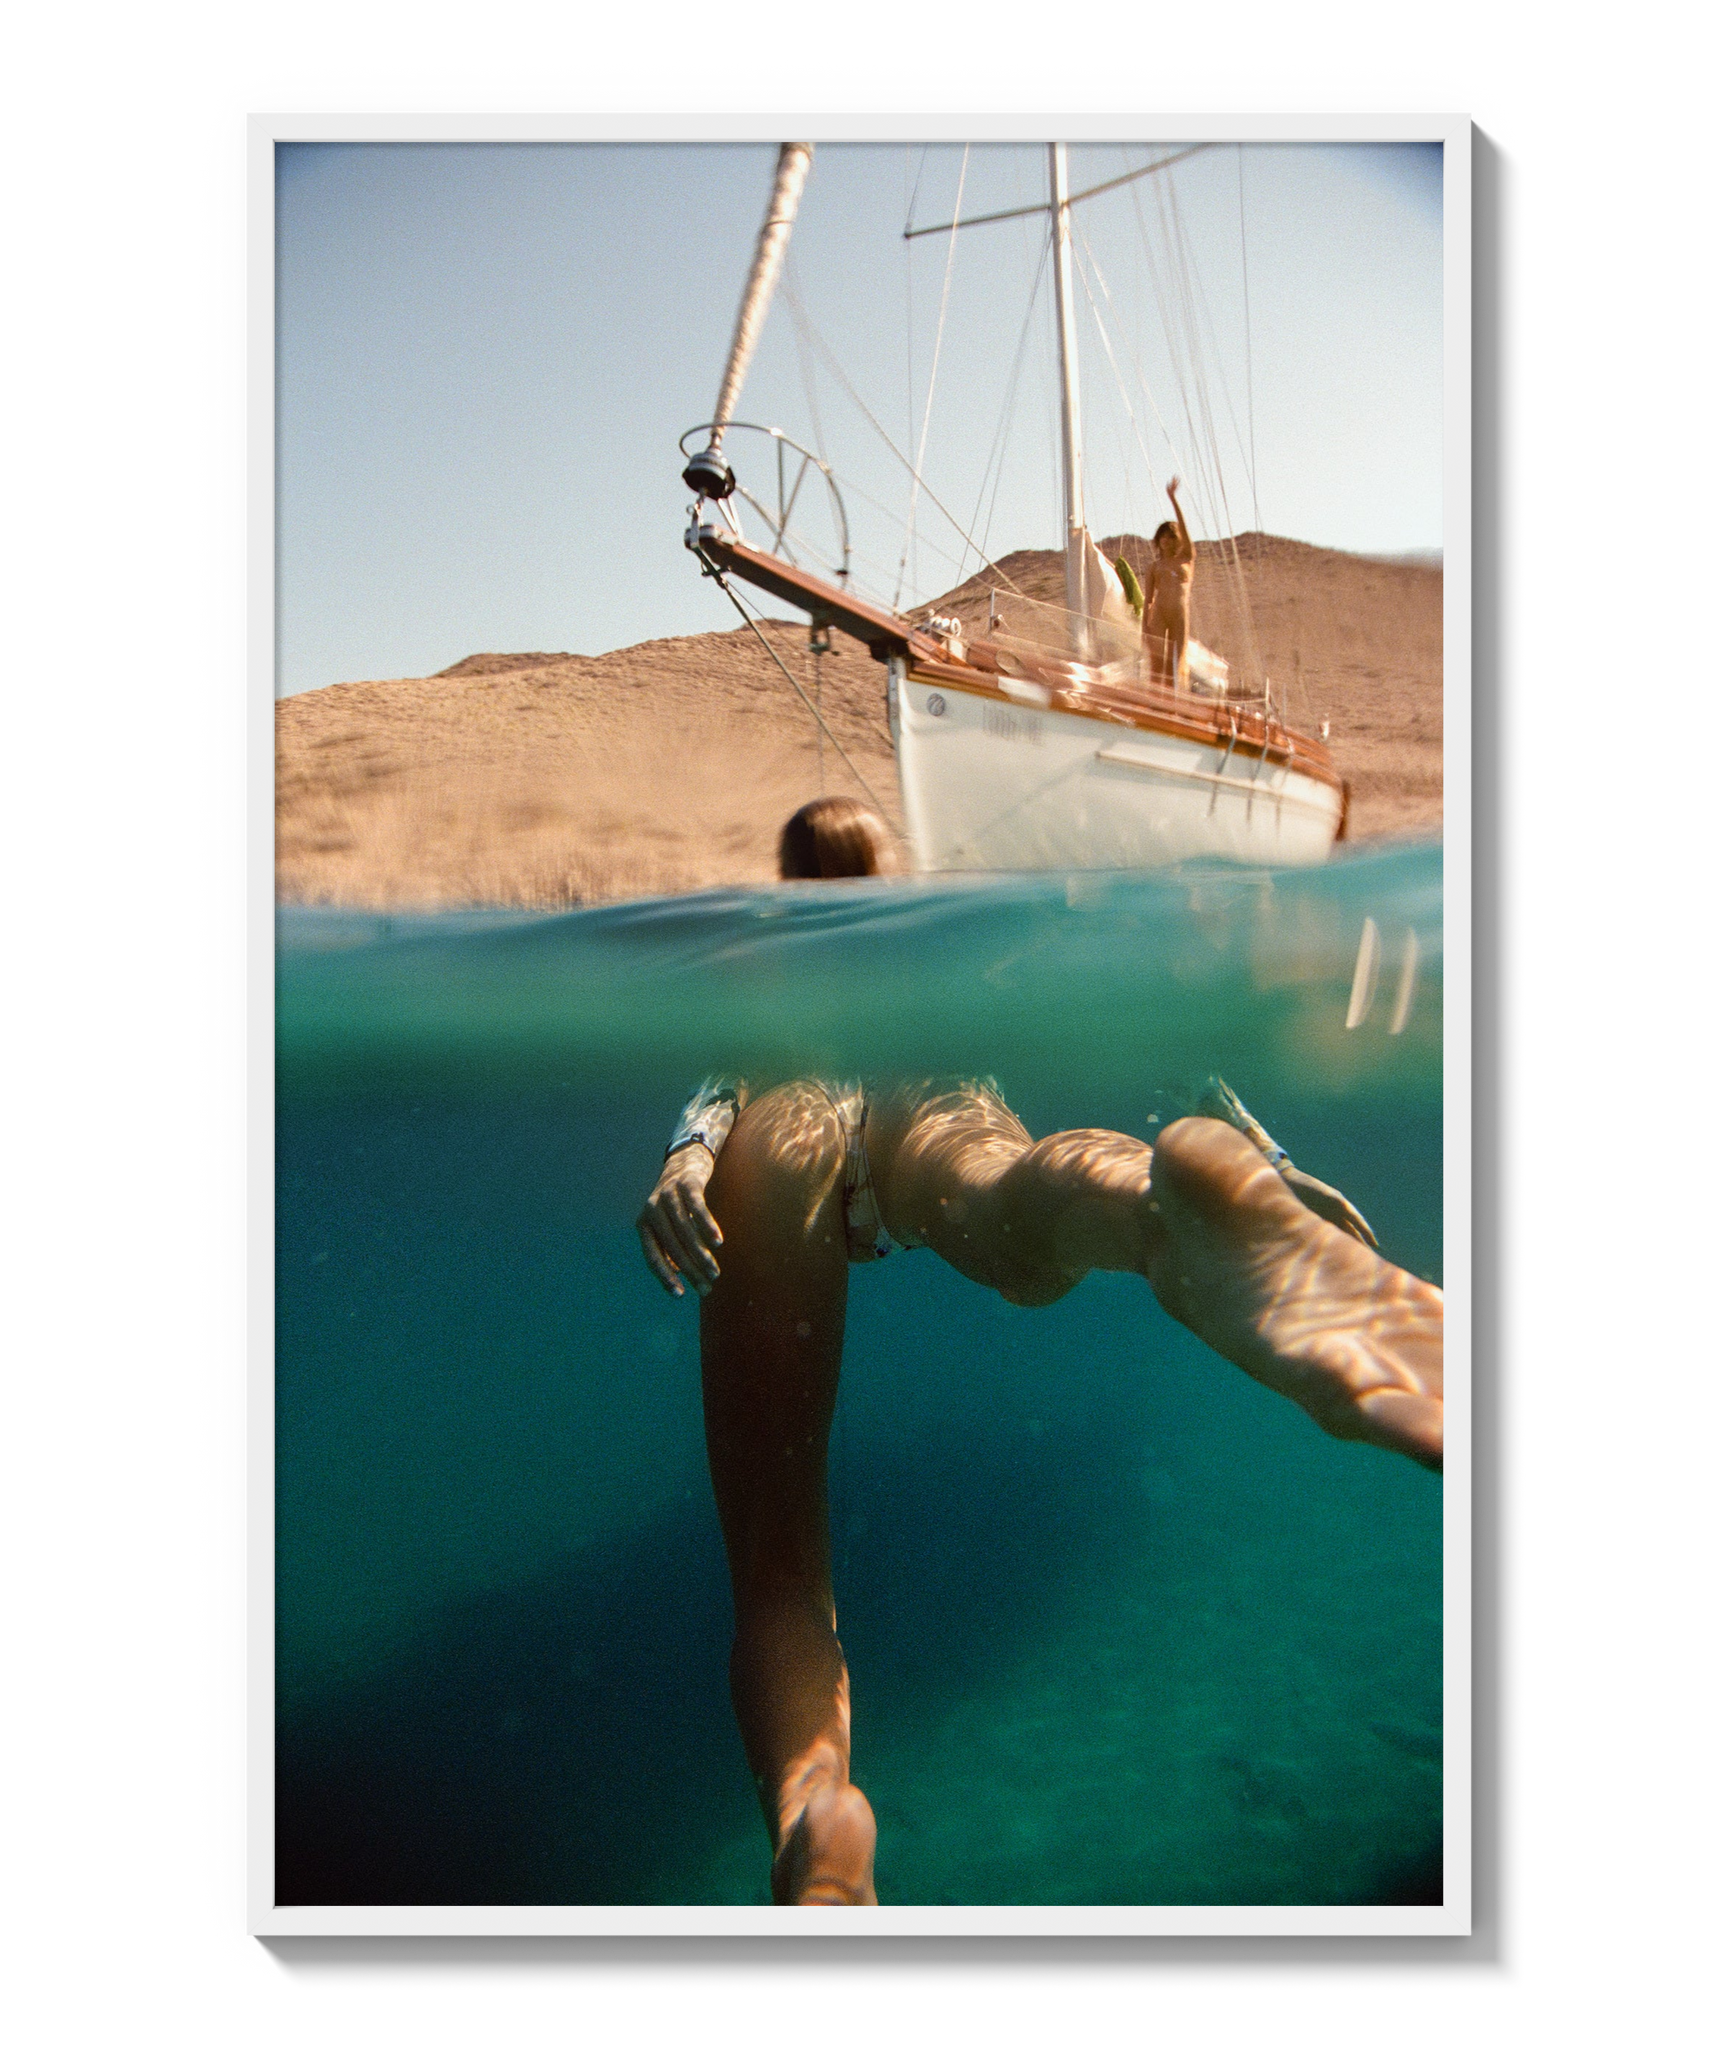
column 487, row 353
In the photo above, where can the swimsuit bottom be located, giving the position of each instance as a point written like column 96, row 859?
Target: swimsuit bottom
column 709, row 1116
column 867, row 1238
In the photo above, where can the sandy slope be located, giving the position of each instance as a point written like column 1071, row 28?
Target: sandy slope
column 555, row 778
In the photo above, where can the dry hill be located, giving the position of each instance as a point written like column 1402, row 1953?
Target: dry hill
column 561, row 778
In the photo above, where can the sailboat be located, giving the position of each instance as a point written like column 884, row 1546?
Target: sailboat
column 1046, row 740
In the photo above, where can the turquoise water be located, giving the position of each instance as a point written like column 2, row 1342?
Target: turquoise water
column 1123, row 1627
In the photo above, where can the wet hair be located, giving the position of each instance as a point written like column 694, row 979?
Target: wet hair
column 831, row 839
column 1167, row 531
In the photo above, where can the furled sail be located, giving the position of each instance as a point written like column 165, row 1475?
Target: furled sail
column 707, row 473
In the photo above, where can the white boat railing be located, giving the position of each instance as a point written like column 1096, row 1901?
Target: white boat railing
column 832, row 552
column 1109, row 650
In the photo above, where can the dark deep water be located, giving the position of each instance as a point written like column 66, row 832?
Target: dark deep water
column 1123, row 1627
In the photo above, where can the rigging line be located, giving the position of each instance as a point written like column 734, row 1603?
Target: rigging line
column 931, row 387
column 1121, row 393
column 1246, row 603
column 722, row 582
column 878, row 562
column 980, row 220
column 1192, row 384
column 1247, row 305
column 807, row 341
column 1127, row 177
column 1201, row 305
column 877, row 732
column 1170, row 291
column 1083, row 255
column 1197, row 302
column 882, row 433
column 1012, row 396
column 859, row 554
column 1183, row 353
column 1115, row 367
column 918, row 178
column 1000, row 441
column 910, row 360
column 912, row 201
column 880, row 566
column 1160, row 300
column 1045, row 246
column 1175, row 456
column 1195, row 386
column 807, row 368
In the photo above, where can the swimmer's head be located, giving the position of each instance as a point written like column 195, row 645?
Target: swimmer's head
column 1166, row 536
column 831, row 839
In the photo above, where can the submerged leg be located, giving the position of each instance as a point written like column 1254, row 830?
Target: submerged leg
column 771, row 1341
column 1295, row 1302
column 957, row 1170
column 1303, row 1307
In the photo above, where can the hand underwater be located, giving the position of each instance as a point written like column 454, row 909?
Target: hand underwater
column 675, row 1227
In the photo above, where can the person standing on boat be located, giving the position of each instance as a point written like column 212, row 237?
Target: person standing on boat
column 1169, row 598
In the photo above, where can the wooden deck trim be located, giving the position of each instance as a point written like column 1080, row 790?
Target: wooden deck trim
column 1115, row 710
column 1210, row 723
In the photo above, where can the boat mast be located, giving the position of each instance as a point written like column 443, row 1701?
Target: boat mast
column 1073, row 495
column 707, row 473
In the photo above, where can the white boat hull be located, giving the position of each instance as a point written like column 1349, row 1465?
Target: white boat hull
column 1017, row 784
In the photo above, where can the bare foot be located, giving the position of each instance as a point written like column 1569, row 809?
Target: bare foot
column 1304, row 1308
column 828, row 1855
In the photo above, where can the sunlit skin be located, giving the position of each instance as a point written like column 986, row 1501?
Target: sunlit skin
column 1303, row 1304
column 1169, row 599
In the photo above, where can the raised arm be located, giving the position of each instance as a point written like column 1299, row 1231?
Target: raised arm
column 678, row 1234
column 1184, row 551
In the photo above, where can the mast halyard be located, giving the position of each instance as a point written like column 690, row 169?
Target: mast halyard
column 1073, row 492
